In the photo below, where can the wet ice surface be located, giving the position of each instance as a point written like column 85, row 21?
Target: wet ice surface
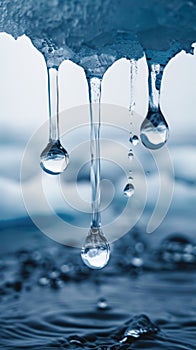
column 144, row 298
column 58, row 29
column 73, row 22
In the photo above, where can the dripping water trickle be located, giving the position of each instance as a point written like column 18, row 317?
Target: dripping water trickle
column 154, row 130
column 54, row 158
column 129, row 187
column 95, row 252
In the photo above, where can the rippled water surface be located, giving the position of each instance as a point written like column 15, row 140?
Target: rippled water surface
column 144, row 299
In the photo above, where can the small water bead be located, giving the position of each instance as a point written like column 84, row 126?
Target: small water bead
column 134, row 140
column 130, row 155
column 95, row 252
column 154, row 131
column 129, row 190
column 54, row 158
column 102, row 304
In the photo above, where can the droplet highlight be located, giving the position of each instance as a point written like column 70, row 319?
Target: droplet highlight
column 95, row 252
column 54, row 158
column 154, row 131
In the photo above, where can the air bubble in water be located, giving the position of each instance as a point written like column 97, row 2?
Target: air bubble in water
column 154, row 130
column 54, row 158
column 95, row 252
column 129, row 190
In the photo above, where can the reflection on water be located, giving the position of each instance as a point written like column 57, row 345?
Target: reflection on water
column 144, row 298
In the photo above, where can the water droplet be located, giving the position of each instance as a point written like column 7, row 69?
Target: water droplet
column 154, row 130
column 54, row 158
column 96, row 250
column 129, row 190
column 130, row 155
column 102, row 304
column 134, row 140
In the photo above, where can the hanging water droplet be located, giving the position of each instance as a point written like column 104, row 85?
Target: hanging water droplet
column 134, row 140
column 154, row 130
column 54, row 158
column 95, row 252
column 130, row 155
column 129, row 190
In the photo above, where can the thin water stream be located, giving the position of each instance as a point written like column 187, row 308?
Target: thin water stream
column 96, row 250
column 54, row 158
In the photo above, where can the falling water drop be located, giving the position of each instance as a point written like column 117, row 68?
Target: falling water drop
column 95, row 252
column 130, row 155
column 154, row 130
column 102, row 304
column 134, row 140
column 54, row 158
column 129, row 190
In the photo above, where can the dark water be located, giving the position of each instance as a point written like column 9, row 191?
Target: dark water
column 144, row 299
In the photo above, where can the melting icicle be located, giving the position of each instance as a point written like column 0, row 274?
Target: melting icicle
column 54, row 158
column 154, row 130
column 129, row 190
column 96, row 250
column 133, row 74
